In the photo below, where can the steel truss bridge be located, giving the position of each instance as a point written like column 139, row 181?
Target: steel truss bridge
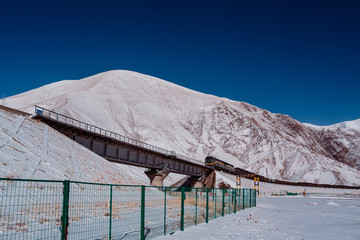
column 120, row 149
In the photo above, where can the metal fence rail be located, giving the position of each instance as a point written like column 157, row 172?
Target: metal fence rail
column 43, row 112
column 41, row 209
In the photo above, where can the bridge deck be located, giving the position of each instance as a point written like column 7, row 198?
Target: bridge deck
column 118, row 148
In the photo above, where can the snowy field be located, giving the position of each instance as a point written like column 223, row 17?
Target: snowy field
column 284, row 218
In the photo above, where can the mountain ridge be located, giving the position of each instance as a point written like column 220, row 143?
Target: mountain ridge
column 354, row 124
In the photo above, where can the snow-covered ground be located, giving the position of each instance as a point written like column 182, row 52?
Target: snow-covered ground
column 284, row 218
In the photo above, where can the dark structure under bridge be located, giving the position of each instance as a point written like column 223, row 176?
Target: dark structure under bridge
column 120, row 149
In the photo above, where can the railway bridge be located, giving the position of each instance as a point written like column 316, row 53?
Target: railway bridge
column 121, row 149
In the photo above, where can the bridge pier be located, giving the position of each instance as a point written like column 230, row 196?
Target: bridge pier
column 157, row 177
column 200, row 183
column 210, row 180
column 206, row 181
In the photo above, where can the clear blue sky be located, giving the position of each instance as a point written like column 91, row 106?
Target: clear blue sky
column 300, row 58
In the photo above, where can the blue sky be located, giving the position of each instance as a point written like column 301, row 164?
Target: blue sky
column 300, row 58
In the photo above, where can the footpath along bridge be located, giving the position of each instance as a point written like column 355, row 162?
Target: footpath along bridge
column 120, row 149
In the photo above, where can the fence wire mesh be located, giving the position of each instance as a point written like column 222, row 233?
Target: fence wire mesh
column 30, row 209
column 40, row 209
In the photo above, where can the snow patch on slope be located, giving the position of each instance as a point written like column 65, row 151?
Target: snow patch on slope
column 30, row 149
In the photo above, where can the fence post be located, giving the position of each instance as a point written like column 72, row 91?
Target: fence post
column 215, row 199
column 207, row 205
column 196, row 200
column 142, row 215
column 182, row 209
column 240, row 199
column 165, row 211
column 238, row 191
column 65, row 212
column 223, row 202
column 250, row 198
column 243, row 197
column 229, row 200
column 255, row 200
column 234, row 196
column 110, row 214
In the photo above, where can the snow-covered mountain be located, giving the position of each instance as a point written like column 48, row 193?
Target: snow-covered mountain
column 196, row 124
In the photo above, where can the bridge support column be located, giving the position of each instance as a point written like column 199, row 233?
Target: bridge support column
column 206, row 181
column 210, row 180
column 156, row 177
column 199, row 183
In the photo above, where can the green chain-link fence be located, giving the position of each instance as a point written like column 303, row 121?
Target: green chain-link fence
column 40, row 209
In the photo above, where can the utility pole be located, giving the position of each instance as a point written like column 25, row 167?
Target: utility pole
column 238, row 182
column 257, row 184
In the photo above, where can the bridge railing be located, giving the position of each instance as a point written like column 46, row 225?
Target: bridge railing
column 44, row 209
column 46, row 113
